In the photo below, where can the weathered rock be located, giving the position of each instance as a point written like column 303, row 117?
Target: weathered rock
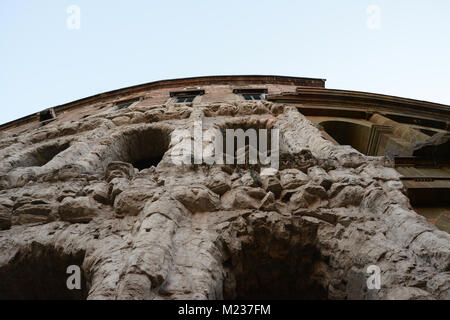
column 166, row 230
column 380, row 173
column 440, row 284
column 132, row 200
column 250, row 180
column 268, row 203
column 197, row 198
column 119, row 169
column 302, row 160
column 219, row 182
column 243, row 198
column 28, row 210
column 348, row 196
column 320, row 177
column 271, row 183
column 308, row 196
column 6, row 206
column 117, row 186
column 77, row 210
column 165, row 207
column 99, row 191
column 293, row 178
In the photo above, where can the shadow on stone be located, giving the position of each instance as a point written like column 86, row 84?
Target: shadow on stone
column 40, row 273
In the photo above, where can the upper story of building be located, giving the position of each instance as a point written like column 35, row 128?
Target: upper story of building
column 313, row 99
column 198, row 90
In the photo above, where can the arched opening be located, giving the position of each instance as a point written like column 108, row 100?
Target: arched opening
column 266, row 278
column 270, row 267
column 42, row 155
column 348, row 133
column 143, row 148
column 40, row 273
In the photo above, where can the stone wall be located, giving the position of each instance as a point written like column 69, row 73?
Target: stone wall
column 206, row 232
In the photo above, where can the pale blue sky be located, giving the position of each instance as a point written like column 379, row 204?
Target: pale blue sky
column 44, row 64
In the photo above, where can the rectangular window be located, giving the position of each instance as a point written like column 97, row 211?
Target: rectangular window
column 187, row 99
column 123, row 106
column 47, row 116
column 186, row 96
column 125, row 103
column 251, row 94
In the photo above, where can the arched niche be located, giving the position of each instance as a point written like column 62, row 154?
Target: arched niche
column 143, row 147
column 348, row 133
column 40, row 272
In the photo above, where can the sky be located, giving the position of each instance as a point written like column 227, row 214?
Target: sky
column 56, row 51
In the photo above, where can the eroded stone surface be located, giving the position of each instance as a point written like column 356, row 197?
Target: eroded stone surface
column 208, row 231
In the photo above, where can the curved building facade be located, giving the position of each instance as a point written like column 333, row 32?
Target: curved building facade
column 227, row 187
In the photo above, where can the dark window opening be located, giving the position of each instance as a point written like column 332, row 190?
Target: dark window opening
column 279, row 279
column 47, row 116
column 431, row 199
column 418, row 121
column 426, row 177
column 428, row 192
column 124, row 104
column 252, row 97
column 147, row 163
column 184, row 99
column 435, row 151
column 428, row 132
column 348, row 133
column 338, row 113
column 290, row 274
column 143, row 148
column 251, row 94
column 186, row 96
column 41, row 274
